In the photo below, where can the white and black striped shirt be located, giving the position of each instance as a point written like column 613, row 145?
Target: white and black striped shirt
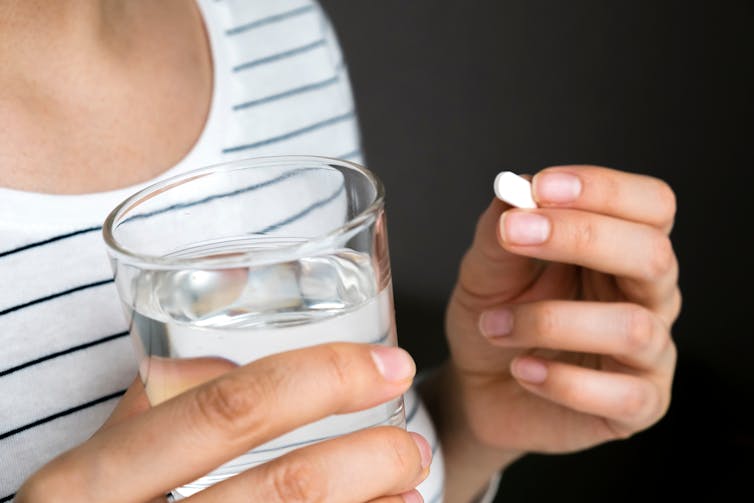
column 280, row 87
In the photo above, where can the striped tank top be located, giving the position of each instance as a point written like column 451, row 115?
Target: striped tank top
column 280, row 87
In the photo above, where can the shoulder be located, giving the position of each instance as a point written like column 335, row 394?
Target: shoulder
column 280, row 79
column 255, row 27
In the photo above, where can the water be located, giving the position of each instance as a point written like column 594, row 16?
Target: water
column 242, row 314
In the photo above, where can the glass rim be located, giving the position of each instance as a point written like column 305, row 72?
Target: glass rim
column 279, row 253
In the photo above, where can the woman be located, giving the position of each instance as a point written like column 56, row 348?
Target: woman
column 559, row 325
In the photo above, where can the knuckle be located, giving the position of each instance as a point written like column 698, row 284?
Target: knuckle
column 298, row 481
column 666, row 370
column 659, row 403
column 620, row 432
column 667, row 199
column 666, row 352
column 545, row 321
column 672, row 357
column 662, row 407
column 232, row 405
column 402, row 451
column 676, row 304
column 639, row 330
column 639, row 405
column 573, row 395
column 338, row 365
column 611, row 191
column 661, row 258
column 583, row 236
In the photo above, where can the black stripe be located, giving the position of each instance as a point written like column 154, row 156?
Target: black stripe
column 49, row 240
column 291, row 134
column 62, row 413
column 287, row 94
column 63, row 352
column 281, row 55
column 7, row 498
column 382, row 339
column 250, row 188
column 55, row 295
column 268, row 20
column 301, row 214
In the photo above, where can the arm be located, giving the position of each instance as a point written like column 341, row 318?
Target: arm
column 469, row 463
column 559, row 324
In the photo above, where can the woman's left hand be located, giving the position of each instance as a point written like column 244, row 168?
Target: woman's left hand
column 559, row 325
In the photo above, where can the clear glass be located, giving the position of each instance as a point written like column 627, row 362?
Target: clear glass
column 224, row 265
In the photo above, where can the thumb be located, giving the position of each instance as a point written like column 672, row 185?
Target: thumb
column 489, row 274
column 133, row 403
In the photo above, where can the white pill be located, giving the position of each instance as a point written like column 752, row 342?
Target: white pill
column 514, row 190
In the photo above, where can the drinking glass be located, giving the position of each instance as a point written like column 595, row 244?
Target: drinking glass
column 224, row 265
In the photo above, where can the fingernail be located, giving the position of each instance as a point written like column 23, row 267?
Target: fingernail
column 412, row 497
column 394, row 364
column 557, row 187
column 425, row 451
column 524, row 228
column 496, row 323
column 529, row 370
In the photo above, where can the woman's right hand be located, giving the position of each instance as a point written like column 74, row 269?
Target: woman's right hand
column 141, row 453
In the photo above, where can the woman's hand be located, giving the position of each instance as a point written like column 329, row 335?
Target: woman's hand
column 141, row 453
column 559, row 325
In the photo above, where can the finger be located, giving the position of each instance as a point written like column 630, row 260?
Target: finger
column 356, row 467
column 174, row 376
column 628, row 196
column 631, row 401
column 133, row 403
column 641, row 254
column 217, row 421
column 630, row 333
column 165, row 378
column 485, row 263
column 169, row 377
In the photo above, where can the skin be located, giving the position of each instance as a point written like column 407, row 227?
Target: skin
column 559, row 332
column 72, row 71
column 588, row 357
column 222, row 418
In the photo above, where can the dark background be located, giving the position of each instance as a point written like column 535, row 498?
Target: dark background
column 451, row 92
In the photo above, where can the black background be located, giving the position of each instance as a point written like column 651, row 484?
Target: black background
column 450, row 92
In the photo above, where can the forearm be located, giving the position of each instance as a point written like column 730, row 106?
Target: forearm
column 469, row 464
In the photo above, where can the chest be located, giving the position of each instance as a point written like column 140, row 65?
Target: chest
column 103, row 124
column 102, row 145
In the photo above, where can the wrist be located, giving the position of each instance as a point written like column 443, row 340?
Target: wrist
column 470, row 463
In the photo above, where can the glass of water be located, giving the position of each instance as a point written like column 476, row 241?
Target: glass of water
column 224, row 265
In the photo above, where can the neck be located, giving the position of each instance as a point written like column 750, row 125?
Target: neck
column 49, row 40
column 27, row 24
